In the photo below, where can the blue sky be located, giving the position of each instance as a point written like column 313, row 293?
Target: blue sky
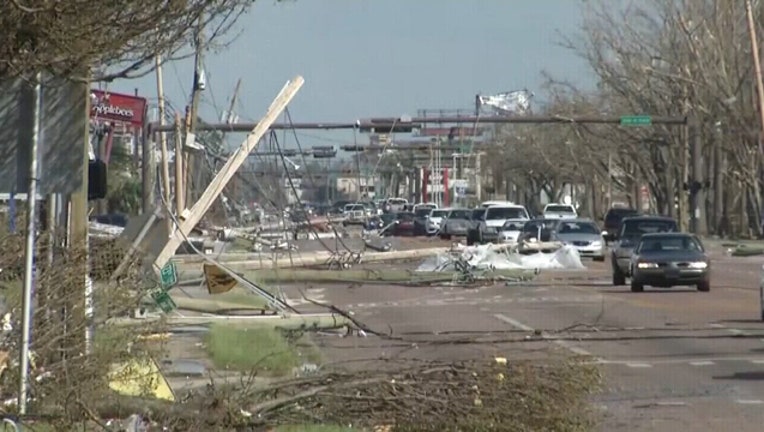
column 364, row 58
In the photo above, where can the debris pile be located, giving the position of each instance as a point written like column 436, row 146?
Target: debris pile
column 425, row 396
column 487, row 257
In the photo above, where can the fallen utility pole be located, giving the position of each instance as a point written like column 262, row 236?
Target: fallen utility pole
column 189, row 219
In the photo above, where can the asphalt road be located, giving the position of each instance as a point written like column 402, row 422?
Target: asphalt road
column 672, row 359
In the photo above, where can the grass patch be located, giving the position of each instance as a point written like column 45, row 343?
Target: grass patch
column 315, row 428
column 264, row 349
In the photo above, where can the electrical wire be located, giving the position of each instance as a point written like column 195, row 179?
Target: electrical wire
column 304, row 161
column 272, row 300
column 300, row 204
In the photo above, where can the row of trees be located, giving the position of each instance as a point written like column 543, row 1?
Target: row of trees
column 664, row 58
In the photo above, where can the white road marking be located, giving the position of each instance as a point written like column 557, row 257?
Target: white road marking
column 716, row 325
column 750, row 401
column 565, row 344
column 757, row 361
column 736, row 331
column 639, row 365
column 513, row 322
column 702, row 363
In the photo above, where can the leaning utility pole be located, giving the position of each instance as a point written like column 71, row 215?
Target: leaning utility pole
column 163, row 142
column 193, row 113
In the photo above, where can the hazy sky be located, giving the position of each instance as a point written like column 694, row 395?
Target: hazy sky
column 365, row 58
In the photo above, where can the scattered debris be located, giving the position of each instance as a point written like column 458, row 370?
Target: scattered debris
column 486, row 257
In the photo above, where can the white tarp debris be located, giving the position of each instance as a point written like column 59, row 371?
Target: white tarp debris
column 485, row 257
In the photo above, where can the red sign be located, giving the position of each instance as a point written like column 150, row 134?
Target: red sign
column 117, row 107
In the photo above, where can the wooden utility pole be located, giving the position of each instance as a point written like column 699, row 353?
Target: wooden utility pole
column 180, row 195
column 163, row 141
column 193, row 113
column 229, row 119
column 216, row 186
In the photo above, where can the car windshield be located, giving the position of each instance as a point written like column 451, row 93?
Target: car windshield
column 578, row 228
column 559, row 209
column 439, row 213
column 638, row 228
column 396, row 201
column 618, row 214
column 405, row 217
column 355, row 207
column 422, row 212
column 477, row 214
column 387, row 218
column 669, row 244
column 459, row 214
column 513, row 225
column 533, row 226
column 497, row 213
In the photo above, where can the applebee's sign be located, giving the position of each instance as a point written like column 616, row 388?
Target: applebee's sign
column 117, row 107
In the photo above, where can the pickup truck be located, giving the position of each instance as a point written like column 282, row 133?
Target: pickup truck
column 559, row 211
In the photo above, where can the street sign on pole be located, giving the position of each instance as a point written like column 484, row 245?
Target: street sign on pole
column 636, row 120
column 169, row 275
column 163, row 300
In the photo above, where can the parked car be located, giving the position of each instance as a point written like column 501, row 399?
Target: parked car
column 394, row 205
column 584, row 235
column 421, row 216
column 613, row 218
column 510, row 231
column 436, row 219
column 492, row 220
column 355, row 214
column 388, row 221
column 538, row 230
column 457, row 223
column 561, row 211
column 632, row 230
column 670, row 259
column 404, row 224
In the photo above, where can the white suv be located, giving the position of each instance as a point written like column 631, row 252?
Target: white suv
column 492, row 221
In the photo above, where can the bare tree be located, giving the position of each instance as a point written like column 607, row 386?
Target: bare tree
column 679, row 58
column 118, row 39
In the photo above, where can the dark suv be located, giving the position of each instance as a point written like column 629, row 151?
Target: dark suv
column 613, row 218
column 632, row 229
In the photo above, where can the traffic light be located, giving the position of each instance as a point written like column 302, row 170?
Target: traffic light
column 387, row 125
column 324, row 152
column 97, row 187
column 352, row 148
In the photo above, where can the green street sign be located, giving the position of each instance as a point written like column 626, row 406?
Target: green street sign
column 168, row 275
column 163, row 301
column 642, row 120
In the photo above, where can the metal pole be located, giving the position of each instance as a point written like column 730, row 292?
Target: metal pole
column 26, row 319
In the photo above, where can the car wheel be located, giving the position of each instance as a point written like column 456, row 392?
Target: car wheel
column 599, row 259
column 637, row 287
column 619, row 278
column 704, row 286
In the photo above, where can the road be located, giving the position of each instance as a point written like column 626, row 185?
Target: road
column 672, row 359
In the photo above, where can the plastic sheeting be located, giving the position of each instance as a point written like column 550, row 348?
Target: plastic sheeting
column 484, row 257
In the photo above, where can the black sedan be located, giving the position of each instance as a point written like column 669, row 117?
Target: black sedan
column 670, row 259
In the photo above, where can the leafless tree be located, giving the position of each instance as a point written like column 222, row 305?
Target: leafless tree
column 679, row 58
column 112, row 39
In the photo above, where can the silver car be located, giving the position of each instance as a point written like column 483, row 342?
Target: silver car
column 584, row 235
column 456, row 223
